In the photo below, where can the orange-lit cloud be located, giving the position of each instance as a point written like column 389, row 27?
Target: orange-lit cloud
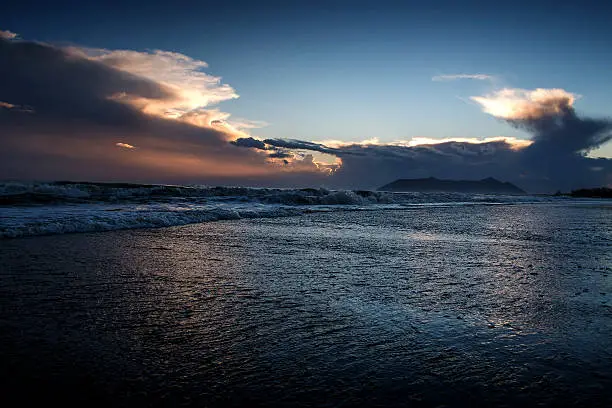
column 90, row 104
column 125, row 145
column 182, row 74
column 310, row 162
column 153, row 159
column 523, row 104
column 194, row 92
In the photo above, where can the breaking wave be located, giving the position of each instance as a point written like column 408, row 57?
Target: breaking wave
column 63, row 207
column 79, row 193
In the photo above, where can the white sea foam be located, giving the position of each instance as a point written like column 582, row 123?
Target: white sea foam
column 41, row 220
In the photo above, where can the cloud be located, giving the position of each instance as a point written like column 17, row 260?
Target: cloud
column 125, row 145
column 371, row 164
column 8, row 35
column 453, row 77
column 182, row 75
column 561, row 137
column 247, row 123
column 299, row 144
column 278, row 154
column 523, row 104
column 554, row 158
column 193, row 92
column 549, row 115
column 81, row 111
column 249, row 142
column 332, row 143
column 16, row 108
column 514, row 142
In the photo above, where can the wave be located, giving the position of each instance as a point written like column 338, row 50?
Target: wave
column 15, row 193
column 63, row 207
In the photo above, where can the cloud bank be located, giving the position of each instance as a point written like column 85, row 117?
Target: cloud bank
column 554, row 158
column 81, row 104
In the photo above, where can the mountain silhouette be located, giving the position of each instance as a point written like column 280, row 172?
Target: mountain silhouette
column 432, row 184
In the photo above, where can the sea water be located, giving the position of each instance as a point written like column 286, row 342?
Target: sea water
column 456, row 301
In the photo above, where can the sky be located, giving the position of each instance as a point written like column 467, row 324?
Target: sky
column 173, row 87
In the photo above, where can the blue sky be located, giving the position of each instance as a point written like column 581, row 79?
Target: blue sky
column 357, row 70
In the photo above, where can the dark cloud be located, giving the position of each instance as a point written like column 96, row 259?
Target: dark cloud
column 561, row 140
column 564, row 132
column 75, row 123
column 60, row 85
column 299, row 144
column 249, row 142
column 555, row 160
column 536, row 168
column 374, row 165
column 280, row 155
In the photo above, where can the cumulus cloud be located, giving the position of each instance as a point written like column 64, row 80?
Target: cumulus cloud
column 453, row 77
column 194, row 92
column 549, row 115
column 192, row 88
column 561, row 137
column 81, row 111
column 523, row 104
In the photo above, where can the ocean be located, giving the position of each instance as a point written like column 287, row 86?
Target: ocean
column 125, row 295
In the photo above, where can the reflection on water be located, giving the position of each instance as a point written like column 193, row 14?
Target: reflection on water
column 500, row 305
